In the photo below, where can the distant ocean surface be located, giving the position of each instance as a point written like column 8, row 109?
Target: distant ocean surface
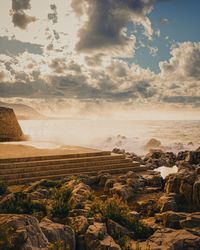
column 129, row 135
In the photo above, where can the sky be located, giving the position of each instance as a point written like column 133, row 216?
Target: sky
column 126, row 59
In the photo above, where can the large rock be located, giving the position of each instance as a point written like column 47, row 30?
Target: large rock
column 27, row 233
column 153, row 179
column 158, row 158
column 55, row 232
column 170, row 239
column 97, row 238
column 192, row 157
column 187, row 221
column 117, row 231
column 171, row 219
column 10, row 129
column 192, row 223
column 79, row 195
column 196, row 192
column 185, row 183
column 79, row 224
column 167, row 202
column 124, row 191
column 153, row 143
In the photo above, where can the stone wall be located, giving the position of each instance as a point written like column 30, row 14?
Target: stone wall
column 10, row 129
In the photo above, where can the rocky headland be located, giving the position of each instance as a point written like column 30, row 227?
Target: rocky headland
column 138, row 211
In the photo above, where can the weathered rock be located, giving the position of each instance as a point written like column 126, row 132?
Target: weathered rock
column 192, row 223
column 109, row 184
column 170, row 239
column 27, row 232
column 118, row 151
column 167, row 202
column 192, row 157
column 124, row 191
column 153, row 143
column 117, row 231
column 79, row 224
column 79, row 195
column 187, row 221
column 154, row 179
column 160, row 158
column 55, row 232
column 196, row 192
column 97, row 238
column 147, row 207
column 151, row 223
column 103, row 178
column 186, row 183
column 171, row 219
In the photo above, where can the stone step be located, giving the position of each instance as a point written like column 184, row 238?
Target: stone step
column 59, row 161
column 67, row 171
column 77, row 164
column 54, row 157
column 121, row 170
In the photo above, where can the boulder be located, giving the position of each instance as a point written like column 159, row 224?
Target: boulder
column 170, row 239
column 97, row 238
column 79, row 195
column 117, row 231
column 187, row 221
column 167, row 202
column 79, row 224
column 124, row 191
column 192, row 223
column 171, row 219
column 153, row 179
column 192, row 157
column 27, row 234
column 151, row 223
column 158, row 158
column 153, row 143
column 186, row 183
column 55, row 232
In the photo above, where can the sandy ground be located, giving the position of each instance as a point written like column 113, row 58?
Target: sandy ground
column 15, row 151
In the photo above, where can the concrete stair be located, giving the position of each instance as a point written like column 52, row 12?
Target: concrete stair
column 17, row 171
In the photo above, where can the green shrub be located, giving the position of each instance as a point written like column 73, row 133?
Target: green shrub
column 60, row 207
column 125, row 243
column 3, row 187
column 50, row 184
column 116, row 209
column 21, row 203
column 59, row 245
column 101, row 236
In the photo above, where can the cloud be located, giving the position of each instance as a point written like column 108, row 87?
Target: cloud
column 184, row 63
column 106, row 21
column 19, row 18
column 101, row 79
column 15, row 47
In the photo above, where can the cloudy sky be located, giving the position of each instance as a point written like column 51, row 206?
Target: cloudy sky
column 115, row 58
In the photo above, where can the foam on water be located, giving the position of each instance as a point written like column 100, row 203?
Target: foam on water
column 129, row 135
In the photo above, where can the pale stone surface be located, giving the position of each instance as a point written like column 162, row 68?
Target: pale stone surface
column 27, row 232
column 57, row 232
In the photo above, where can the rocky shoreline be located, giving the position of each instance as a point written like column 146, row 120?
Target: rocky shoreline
column 139, row 211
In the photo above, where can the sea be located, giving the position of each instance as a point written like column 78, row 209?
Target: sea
column 131, row 135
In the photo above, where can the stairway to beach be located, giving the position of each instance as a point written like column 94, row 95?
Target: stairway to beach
column 17, row 171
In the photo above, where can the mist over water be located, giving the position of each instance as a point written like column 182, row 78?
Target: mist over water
column 129, row 135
